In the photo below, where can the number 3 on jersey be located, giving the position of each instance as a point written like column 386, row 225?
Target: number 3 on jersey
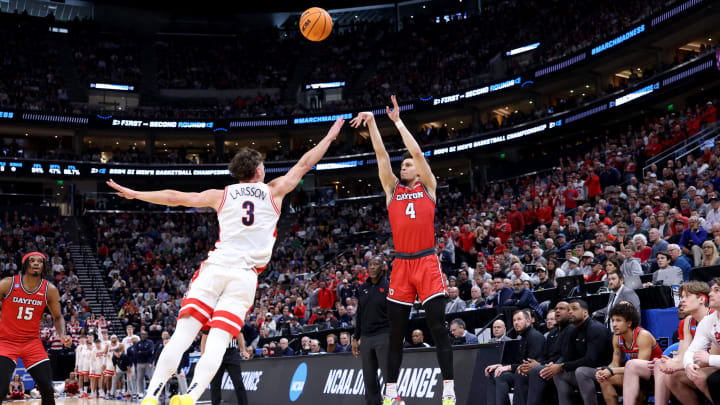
column 249, row 217
column 410, row 210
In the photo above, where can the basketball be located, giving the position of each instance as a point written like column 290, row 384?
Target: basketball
column 315, row 24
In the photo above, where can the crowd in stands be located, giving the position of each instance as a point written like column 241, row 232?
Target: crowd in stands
column 105, row 57
column 424, row 58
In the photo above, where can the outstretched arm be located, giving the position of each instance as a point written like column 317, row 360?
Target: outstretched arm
column 387, row 178
column 283, row 185
column 208, row 198
column 421, row 165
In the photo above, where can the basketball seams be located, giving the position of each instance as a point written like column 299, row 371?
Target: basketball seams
column 313, row 25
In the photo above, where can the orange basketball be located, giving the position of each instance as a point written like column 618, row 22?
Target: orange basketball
column 315, row 24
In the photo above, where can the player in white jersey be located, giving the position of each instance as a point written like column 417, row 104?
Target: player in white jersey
column 81, row 368
column 223, row 288
column 698, row 361
column 97, row 366
column 109, row 373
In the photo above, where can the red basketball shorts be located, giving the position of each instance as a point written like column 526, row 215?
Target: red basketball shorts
column 31, row 352
column 419, row 277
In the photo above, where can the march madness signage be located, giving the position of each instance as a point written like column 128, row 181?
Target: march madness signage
column 338, row 378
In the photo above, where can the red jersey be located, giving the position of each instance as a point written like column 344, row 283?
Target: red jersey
column 22, row 311
column 634, row 349
column 412, row 218
column 692, row 327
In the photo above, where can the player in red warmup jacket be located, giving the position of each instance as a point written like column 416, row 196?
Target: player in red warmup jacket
column 416, row 271
column 24, row 298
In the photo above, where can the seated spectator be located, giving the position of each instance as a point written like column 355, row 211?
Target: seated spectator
column 315, row 347
column 598, row 273
column 680, row 260
column 499, row 332
column 305, row 346
column 501, row 294
column 332, row 346
column 589, row 347
column 476, row 299
column 462, row 336
column 644, row 348
column 710, row 255
column 692, row 239
column 642, row 251
column 530, row 387
column 418, row 339
column 501, row 376
column 454, row 304
column 284, row 349
column 345, row 342
column 618, row 292
column 543, row 281
column 630, row 267
column 524, row 298
column 666, row 274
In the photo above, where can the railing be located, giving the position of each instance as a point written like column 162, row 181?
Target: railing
column 685, row 147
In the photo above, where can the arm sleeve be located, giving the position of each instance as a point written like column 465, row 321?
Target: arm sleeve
column 700, row 341
column 683, row 240
column 358, row 317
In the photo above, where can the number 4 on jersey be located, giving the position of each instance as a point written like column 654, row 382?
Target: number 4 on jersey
column 410, row 210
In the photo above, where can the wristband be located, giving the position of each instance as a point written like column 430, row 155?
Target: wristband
column 399, row 124
column 610, row 370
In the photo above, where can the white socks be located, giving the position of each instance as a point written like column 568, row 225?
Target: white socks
column 215, row 347
column 185, row 331
column 391, row 390
column 448, row 388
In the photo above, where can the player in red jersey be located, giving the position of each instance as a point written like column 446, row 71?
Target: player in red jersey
column 642, row 348
column 416, row 270
column 668, row 372
column 24, row 298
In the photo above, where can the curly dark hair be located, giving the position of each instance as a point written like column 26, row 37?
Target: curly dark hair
column 243, row 164
column 628, row 312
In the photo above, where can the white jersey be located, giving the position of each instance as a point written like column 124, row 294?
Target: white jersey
column 98, row 357
column 110, row 350
column 247, row 219
column 707, row 335
column 127, row 342
column 80, row 360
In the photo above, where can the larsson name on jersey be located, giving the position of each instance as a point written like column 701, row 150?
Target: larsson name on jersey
column 26, row 301
column 409, row 196
column 249, row 191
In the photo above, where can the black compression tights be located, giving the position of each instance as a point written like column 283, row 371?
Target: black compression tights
column 435, row 318
column 41, row 373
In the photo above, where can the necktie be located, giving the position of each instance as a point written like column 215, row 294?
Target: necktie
column 610, row 305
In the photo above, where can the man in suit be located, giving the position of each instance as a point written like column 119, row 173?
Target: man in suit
column 476, row 299
column 523, row 298
column 462, row 337
column 502, row 293
column 618, row 292
column 454, row 303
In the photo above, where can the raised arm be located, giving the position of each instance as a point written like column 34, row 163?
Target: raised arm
column 421, row 165
column 387, row 178
column 208, row 198
column 283, row 185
